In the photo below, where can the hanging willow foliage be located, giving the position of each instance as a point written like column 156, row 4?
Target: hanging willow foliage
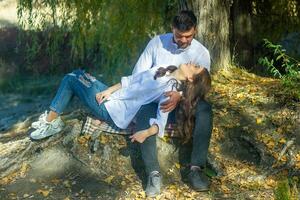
column 106, row 34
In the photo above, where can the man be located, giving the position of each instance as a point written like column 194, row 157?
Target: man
column 174, row 49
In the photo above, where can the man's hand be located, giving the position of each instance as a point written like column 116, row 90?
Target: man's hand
column 139, row 136
column 170, row 104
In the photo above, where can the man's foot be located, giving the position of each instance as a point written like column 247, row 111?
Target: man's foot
column 153, row 184
column 47, row 129
column 41, row 120
column 198, row 180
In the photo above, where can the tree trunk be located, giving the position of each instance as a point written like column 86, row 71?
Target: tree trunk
column 213, row 29
column 241, row 40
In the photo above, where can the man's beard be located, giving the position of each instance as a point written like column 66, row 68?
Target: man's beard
column 183, row 45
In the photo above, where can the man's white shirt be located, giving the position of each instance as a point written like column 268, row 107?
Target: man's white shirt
column 162, row 51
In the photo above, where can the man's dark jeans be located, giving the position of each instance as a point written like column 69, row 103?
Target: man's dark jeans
column 201, row 135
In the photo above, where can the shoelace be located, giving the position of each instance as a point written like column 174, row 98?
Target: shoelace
column 153, row 177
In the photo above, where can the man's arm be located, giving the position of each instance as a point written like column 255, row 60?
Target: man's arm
column 145, row 61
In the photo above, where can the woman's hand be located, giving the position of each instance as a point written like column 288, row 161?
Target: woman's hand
column 139, row 136
column 142, row 135
column 103, row 96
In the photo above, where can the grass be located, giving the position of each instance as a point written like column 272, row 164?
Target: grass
column 34, row 85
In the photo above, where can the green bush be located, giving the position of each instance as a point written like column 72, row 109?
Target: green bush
column 107, row 35
column 284, row 67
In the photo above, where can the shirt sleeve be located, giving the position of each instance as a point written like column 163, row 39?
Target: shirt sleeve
column 204, row 60
column 161, row 118
column 125, row 81
column 145, row 61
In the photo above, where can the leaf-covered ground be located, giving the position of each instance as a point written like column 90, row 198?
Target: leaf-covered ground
column 255, row 150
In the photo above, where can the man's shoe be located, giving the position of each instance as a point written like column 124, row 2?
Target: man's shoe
column 198, row 180
column 153, row 184
column 41, row 121
column 47, row 129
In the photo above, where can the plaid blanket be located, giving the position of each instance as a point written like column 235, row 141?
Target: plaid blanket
column 92, row 126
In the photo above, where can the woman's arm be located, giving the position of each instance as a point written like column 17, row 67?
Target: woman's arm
column 104, row 95
column 140, row 136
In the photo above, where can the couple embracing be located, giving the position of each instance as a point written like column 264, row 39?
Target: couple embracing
column 170, row 78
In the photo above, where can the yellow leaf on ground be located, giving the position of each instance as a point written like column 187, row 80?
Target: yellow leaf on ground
column 240, row 95
column 225, row 189
column 270, row 183
column 283, row 158
column 123, row 183
column 282, row 141
column 103, row 139
column 270, row 144
column 259, row 120
column 177, row 165
column 297, row 165
column 45, row 193
column 109, row 179
column 143, row 194
column 298, row 157
column 67, row 183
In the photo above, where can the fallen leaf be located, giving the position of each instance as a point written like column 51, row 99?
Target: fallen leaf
column 123, row 183
column 109, row 179
column 45, row 193
column 282, row 141
column 103, row 139
column 259, row 120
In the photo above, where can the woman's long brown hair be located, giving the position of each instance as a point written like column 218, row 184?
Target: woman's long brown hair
column 193, row 92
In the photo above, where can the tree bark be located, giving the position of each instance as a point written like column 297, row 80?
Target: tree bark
column 241, row 40
column 213, row 29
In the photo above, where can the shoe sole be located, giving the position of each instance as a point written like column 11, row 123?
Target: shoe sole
column 199, row 190
column 152, row 196
column 33, row 139
column 186, row 181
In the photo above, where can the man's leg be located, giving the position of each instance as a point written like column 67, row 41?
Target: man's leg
column 149, row 150
column 201, row 139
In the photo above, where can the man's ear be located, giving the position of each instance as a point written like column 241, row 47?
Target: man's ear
column 172, row 28
column 196, row 30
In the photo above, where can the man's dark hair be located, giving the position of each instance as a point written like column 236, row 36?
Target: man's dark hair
column 185, row 20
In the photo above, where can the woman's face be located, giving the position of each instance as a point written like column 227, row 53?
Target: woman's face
column 190, row 70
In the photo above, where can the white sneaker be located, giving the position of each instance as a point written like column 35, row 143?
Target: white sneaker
column 41, row 120
column 47, row 129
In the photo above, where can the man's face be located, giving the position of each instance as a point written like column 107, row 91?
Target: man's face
column 183, row 39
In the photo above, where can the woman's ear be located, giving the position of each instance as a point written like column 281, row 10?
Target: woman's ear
column 190, row 79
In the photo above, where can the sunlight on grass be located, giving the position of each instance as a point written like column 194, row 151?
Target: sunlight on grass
column 8, row 13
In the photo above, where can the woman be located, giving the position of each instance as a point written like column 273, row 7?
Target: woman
column 118, row 104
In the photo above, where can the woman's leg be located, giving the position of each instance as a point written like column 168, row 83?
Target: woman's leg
column 85, row 87
column 78, row 84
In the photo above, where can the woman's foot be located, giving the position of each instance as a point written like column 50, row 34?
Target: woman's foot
column 41, row 120
column 45, row 129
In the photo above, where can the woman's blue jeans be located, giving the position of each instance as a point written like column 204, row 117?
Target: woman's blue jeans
column 85, row 87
